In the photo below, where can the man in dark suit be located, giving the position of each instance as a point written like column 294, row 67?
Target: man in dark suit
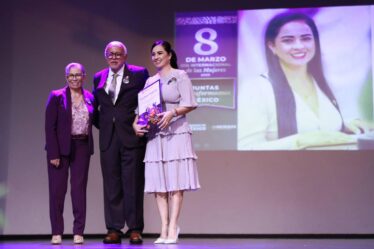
column 121, row 151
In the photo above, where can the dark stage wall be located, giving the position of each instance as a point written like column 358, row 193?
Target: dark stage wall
column 242, row 192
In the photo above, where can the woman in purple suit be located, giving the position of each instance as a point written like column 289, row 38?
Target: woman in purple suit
column 69, row 146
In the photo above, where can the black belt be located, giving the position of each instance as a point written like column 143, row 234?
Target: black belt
column 79, row 137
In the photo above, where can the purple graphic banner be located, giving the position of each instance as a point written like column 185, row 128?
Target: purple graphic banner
column 206, row 44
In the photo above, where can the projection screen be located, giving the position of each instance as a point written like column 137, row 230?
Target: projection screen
column 313, row 91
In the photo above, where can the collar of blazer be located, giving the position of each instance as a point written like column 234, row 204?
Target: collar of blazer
column 66, row 98
column 66, row 95
column 103, row 78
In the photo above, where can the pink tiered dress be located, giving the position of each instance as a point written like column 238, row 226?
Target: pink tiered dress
column 170, row 160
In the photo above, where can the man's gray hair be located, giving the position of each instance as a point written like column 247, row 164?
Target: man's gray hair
column 115, row 44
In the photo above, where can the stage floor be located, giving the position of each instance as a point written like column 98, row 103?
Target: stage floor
column 201, row 243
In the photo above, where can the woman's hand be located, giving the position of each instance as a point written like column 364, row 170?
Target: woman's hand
column 55, row 162
column 358, row 126
column 166, row 117
column 140, row 130
column 322, row 138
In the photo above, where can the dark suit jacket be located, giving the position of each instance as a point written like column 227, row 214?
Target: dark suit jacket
column 122, row 114
column 58, row 120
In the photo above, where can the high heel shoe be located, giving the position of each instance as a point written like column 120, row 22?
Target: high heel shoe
column 173, row 241
column 78, row 239
column 159, row 241
column 56, row 239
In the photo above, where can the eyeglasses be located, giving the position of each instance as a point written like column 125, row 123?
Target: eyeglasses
column 72, row 76
column 113, row 55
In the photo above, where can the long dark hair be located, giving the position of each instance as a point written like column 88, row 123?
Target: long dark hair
column 284, row 98
column 166, row 45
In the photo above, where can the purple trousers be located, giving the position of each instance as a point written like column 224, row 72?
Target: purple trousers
column 78, row 163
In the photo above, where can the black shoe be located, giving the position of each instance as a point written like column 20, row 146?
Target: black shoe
column 135, row 238
column 112, row 237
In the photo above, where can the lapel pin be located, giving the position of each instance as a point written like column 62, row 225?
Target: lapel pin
column 171, row 80
column 126, row 80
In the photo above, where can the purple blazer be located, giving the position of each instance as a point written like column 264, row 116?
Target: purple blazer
column 58, row 121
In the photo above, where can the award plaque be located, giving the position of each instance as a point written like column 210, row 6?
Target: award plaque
column 149, row 102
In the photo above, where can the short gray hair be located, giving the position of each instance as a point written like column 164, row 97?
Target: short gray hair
column 115, row 44
column 74, row 64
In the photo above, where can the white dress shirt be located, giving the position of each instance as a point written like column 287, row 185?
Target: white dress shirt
column 257, row 117
column 119, row 81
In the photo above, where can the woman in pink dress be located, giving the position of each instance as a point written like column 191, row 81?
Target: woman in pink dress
column 170, row 160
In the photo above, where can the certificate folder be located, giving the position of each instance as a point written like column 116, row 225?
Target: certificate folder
column 149, row 103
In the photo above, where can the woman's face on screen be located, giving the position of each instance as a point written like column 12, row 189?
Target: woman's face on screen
column 294, row 44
